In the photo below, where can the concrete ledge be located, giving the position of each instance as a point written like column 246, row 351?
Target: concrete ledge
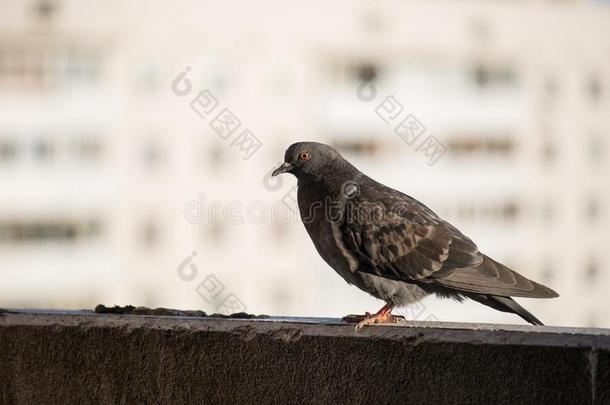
column 80, row 357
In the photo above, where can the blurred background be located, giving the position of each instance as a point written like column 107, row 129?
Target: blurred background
column 120, row 184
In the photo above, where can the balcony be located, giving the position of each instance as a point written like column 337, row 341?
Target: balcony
column 84, row 357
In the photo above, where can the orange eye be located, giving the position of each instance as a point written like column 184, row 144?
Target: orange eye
column 304, row 156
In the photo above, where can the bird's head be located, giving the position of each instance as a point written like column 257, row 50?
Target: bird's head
column 306, row 158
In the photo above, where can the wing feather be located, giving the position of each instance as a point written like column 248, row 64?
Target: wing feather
column 413, row 244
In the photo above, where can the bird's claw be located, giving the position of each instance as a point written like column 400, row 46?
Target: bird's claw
column 370, row 319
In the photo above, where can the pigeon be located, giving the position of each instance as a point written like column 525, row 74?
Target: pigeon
column 392, row 246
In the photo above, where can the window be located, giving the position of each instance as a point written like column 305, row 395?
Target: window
column 88, row 148
column 351, row 72
column 468, row 145
column 594, row 88
column 487, row 76
column 593, row 209
column 365, row 72
column 592, row 271
column 551, row 87
column 149, row 233
column 280, row 232
column 596, row 148
column 358, row 146
column 499, row 211
column 45, row 9
column 24, row 66
column 547, row 211
column 43, row 149
column 215, row 231
column 549, row 151
column 48, row 230
column 152, row 155
column 216, row 156
column 547, row 273
column 8, row 150
column 40, row 65
column 81, row 66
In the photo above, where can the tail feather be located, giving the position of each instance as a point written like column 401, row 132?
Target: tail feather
column 493, row 278
column 505, row 304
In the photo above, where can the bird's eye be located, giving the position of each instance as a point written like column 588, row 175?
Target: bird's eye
column 304, row 156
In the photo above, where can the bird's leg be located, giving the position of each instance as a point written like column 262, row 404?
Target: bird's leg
column 384, row 315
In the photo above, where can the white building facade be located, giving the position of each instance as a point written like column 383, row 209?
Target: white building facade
column 114, row 172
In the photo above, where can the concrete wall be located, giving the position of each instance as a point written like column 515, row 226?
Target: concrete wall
column 78, row 358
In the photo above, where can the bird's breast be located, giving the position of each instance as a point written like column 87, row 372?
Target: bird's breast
column 318, row 216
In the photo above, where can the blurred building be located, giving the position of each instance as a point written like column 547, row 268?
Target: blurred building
column 110, row 179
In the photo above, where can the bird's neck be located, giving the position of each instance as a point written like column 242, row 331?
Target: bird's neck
column 333, row 177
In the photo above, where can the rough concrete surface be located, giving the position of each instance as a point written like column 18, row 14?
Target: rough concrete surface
column 86, row 358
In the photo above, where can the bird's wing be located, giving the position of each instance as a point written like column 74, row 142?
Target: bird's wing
column 396, row 237
column 405, row 240
column 491, row 277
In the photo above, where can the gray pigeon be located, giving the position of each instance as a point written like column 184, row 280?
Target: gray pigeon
column 391, row 245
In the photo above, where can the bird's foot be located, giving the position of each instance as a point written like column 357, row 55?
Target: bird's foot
column 373, row 319
column 383, row 316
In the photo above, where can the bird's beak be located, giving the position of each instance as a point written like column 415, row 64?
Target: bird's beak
column 284, row 167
